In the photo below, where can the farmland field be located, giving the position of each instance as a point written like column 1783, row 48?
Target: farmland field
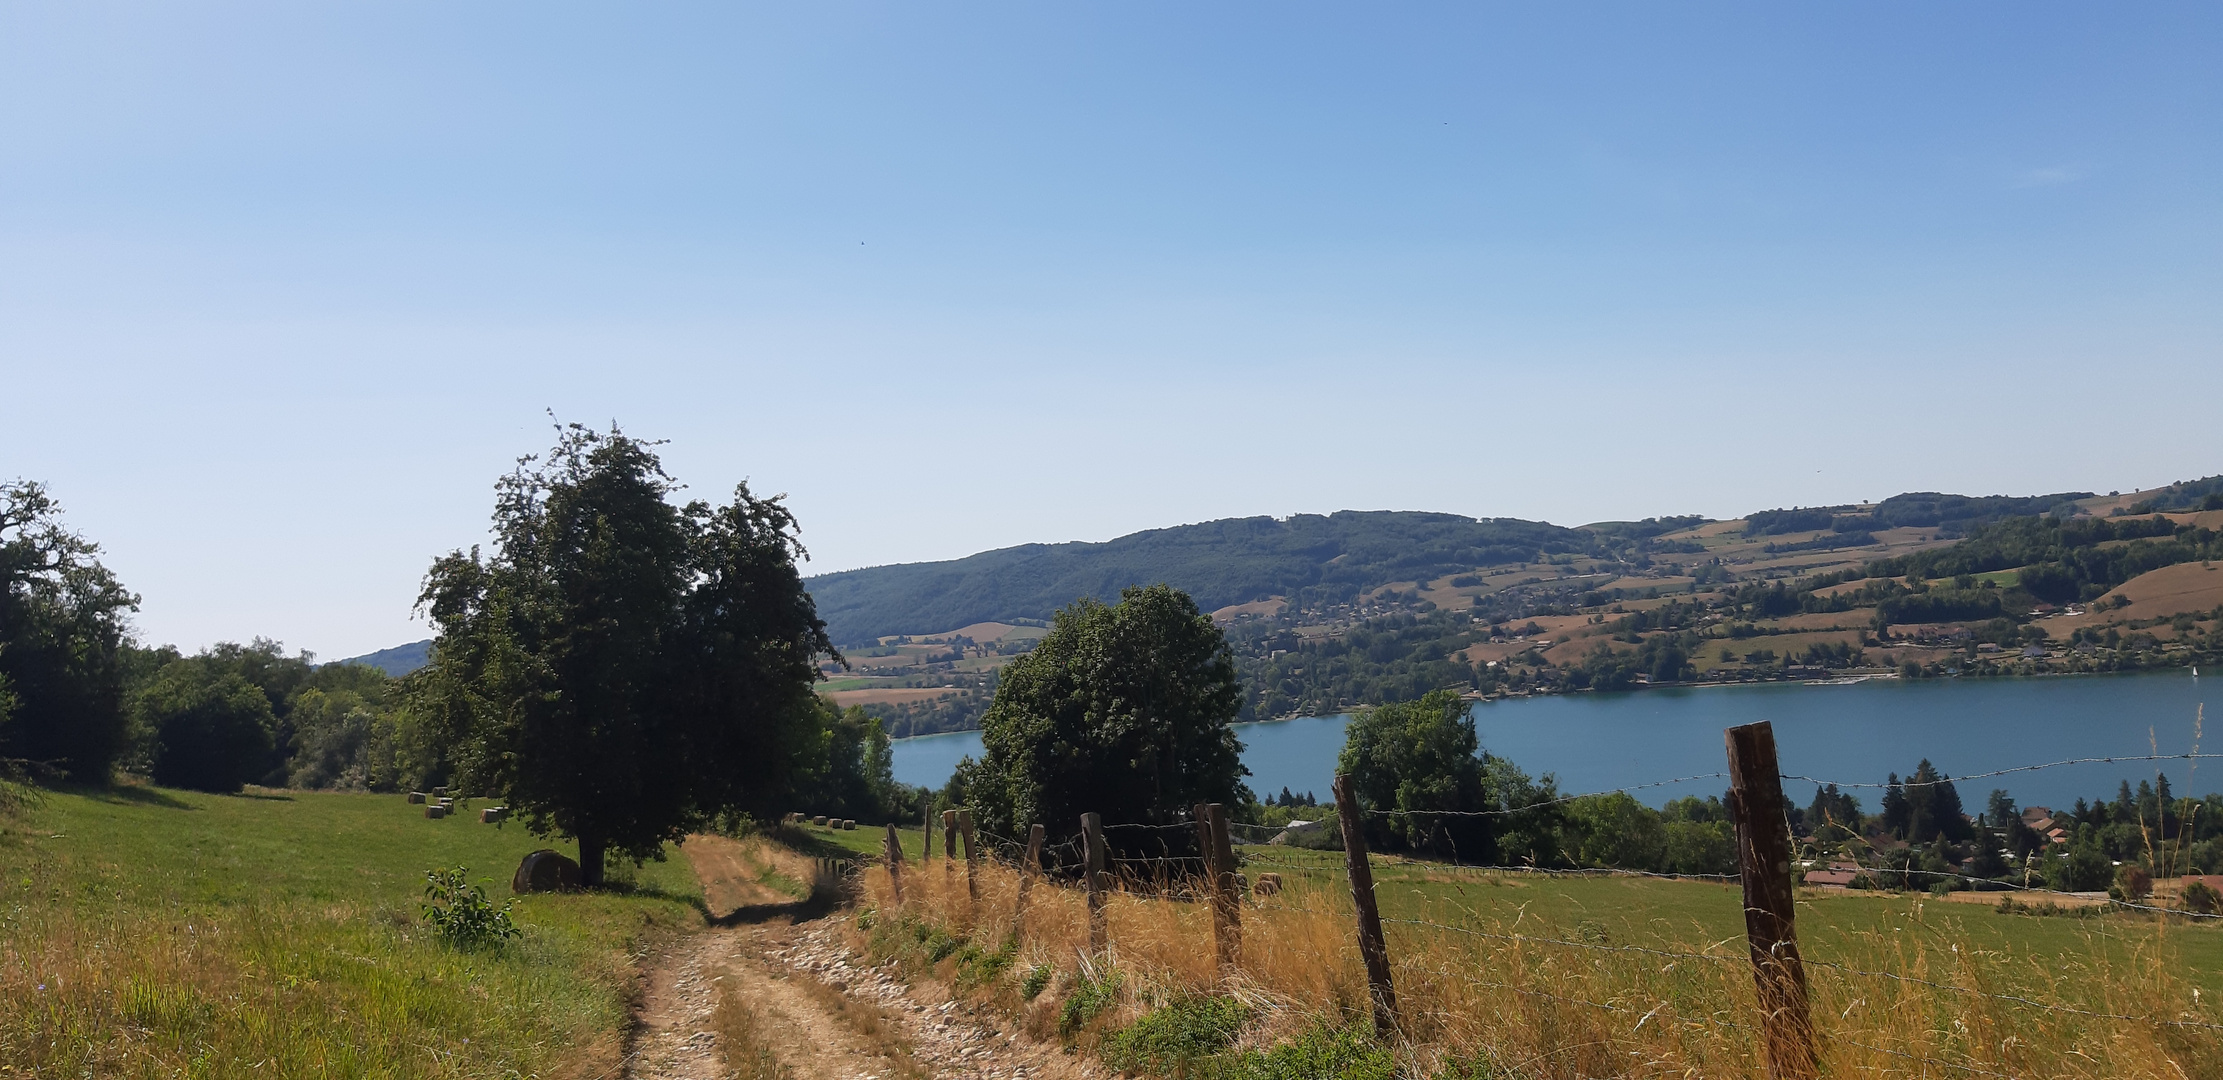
column 149, row 932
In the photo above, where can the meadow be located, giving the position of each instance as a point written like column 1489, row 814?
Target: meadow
column 154, row 933
column 1513, row 974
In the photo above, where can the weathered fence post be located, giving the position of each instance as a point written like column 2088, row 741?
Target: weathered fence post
column 1372, row 948
column 1027, row 873
column 895, row 863
column 1764, row 867
column 949, row 844
column 1093, row 856
column 926, row 853
column 1227, row 899
column 972, row 855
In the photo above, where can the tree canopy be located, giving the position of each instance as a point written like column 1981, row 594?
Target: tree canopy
column 1123, row 709
column 62, row 638
column 622, row 669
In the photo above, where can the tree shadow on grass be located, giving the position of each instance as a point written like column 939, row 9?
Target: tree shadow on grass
column 127, row 794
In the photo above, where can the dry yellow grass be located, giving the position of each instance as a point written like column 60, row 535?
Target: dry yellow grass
column 1519, row 987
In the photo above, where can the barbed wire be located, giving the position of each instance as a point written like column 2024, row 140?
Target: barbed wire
column 1884, row 873
column 2017, row 999
column 1532, row 939
column 2003, row 772
column 1547, row 802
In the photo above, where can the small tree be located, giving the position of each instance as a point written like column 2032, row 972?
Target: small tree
column 622, row 669
column 1124, row 710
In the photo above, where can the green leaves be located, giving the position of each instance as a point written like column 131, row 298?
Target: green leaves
column 1123, row 710
column 460, row 914
column 622, row 669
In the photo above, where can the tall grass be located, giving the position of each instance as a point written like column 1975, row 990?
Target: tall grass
column 1497, row 975
column 146, row 933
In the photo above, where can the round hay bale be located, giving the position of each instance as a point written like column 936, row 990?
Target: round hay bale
column 435, row 811
column 545, row 870
column 416, row 797
column 1268, row 885
column 849, row 824
column 819, row 820
column 492, row 814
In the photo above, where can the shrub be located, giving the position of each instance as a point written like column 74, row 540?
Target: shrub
column 1175, row 1039
column 1036, row 980
column 461, row 915
column 1090, row 997
column 2202, row 898
column 2132, row 883
column 1345, row 1053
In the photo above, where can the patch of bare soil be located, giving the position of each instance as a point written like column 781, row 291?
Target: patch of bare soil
column 769, row 991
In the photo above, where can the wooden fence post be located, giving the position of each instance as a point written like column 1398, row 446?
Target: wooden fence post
column 1027, row 873
column 895, row 863
column 1764, row 867
column 972, row 855
column 1227, row 899
column 1372, row 948
column 949, row 844
column 926, row 854
column 1092, row 847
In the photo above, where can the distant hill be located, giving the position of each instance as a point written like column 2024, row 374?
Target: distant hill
column 397, row 661
column 1231, row 561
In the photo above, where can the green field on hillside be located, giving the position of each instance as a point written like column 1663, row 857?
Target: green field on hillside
column 1656, row 912
column 148, row 932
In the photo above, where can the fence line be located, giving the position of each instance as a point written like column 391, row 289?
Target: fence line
column 2008, row 772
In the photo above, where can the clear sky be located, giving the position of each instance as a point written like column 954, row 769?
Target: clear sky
column 284, row 287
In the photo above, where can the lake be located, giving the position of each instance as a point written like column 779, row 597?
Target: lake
column 1857, row 732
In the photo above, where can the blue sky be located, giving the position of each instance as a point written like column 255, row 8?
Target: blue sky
column 284, row 287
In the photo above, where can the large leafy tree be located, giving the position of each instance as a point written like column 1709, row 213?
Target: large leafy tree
column 1123, row 709
column 212, row 729
column 1418, row 763
column 622, row 669
column 62, row 638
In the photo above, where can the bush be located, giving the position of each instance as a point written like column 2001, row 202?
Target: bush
column 460, row 914
column 1175, row 1039
column 1346, row 1053
column 1089, row 998
column 2132, row 883
column 2202, row 898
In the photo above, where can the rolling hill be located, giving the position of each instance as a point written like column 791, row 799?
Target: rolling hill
column 1231, row 561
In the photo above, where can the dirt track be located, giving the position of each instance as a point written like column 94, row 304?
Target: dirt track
column 820, row 1016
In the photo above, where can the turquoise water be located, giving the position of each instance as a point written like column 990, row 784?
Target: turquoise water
column 1858, row 732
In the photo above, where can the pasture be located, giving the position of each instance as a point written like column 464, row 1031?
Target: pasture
column 146, row 932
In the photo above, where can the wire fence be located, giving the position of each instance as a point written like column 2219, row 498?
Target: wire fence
column 1195, row 865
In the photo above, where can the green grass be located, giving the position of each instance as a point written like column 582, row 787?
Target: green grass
column 146, row 932
column 1650, row 911
column 867, row 840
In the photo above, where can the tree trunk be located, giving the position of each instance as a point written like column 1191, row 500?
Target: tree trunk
column 590, row 861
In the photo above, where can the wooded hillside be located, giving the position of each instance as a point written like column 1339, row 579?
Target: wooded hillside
column 1232, row 561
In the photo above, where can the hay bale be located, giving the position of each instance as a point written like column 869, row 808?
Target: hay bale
column 545, row 870
column 1268, row 885
column 849, row 824
column 435, row 811
column 819, row 820
column 416, row 797
column 492, row 814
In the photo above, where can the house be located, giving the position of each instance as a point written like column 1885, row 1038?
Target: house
column 1830, row 879
column 2033, row 652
